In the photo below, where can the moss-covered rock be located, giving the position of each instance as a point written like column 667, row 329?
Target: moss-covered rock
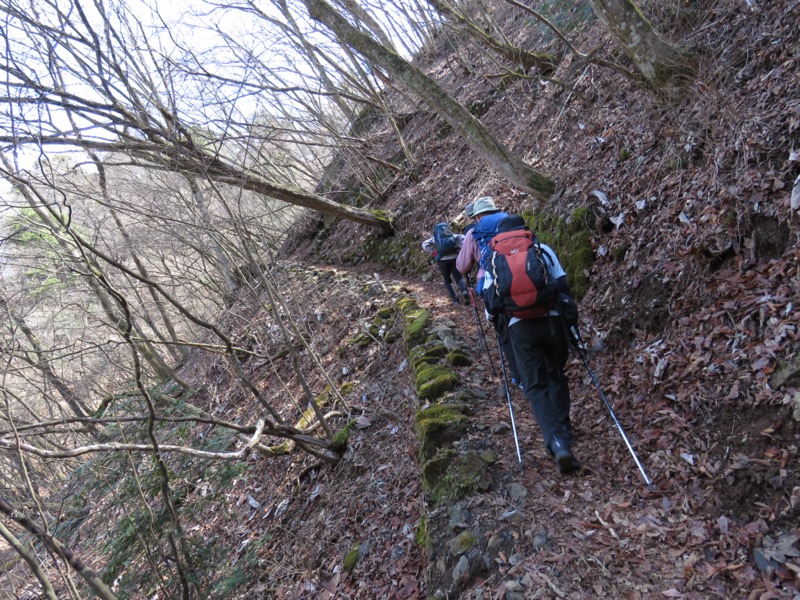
column 339, row 442
column 434, row 469
column 618, row 253
column 421, row 538
column 432, row 382
column 416, row 321
column 489, row 457
column 438, row 426
column 427, row 353
column 360, row 339
column 402, row 254
column 351, row 558
column 450, row 476
column 459, row 358
column 436, row 417
column 463, row 542
column 406, row 303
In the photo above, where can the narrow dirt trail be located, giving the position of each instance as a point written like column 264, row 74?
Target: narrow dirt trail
column 570, row 521
column 540, row 535
column 601, row 531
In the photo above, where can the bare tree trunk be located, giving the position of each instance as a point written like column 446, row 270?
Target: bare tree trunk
column 362, row 16
column 159, row 304
column 204, row 165
column 28, row 557
column 302, row 43
column 223, row 263
column 59, row 549
column 546, row 63
column 660, row 64
column 477, row 136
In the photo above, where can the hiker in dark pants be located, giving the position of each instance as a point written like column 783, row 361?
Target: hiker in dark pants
column 540, row 348
column 446, row 262
column 469, row 256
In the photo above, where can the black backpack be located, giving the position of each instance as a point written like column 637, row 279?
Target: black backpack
column 522, row 286
column 444, row 239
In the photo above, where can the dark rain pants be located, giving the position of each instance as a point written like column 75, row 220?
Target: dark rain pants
column 447, row 267
column 541, row 349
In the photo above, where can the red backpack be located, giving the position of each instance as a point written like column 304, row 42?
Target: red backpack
column 522, row 286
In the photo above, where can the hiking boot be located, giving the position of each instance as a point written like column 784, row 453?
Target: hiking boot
column 565, row 459
column 467, row 301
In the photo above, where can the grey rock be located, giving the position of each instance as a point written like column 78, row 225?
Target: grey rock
column 500, row 428
column 459, row 516
column 514, row 591
column 517, row 491
column 495, row 542
column 461, row 572
column 515, row 516
column 540, row 540
column 462, row 543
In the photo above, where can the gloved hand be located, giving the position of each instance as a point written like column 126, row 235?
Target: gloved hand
column 568, row 308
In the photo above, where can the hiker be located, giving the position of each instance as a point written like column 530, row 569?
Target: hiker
column 469, row 211
column 539, row 343
column 469, row 256
column 443, row 246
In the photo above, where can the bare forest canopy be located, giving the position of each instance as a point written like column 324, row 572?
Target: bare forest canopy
column 211, row 284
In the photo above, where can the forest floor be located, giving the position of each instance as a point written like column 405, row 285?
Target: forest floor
column 690, row 317
column 691, row 320
column 721, row 521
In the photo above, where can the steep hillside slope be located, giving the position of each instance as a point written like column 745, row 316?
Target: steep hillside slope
column 688, row 304
column 691, row 305
column 680, row 209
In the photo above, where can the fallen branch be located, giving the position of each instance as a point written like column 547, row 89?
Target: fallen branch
column 117, row 447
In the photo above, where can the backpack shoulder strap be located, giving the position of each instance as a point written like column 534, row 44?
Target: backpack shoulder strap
column 546, row 251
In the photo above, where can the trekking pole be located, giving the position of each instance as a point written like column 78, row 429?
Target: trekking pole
column 479, row 325
column 508, row 396
column 575, row 336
